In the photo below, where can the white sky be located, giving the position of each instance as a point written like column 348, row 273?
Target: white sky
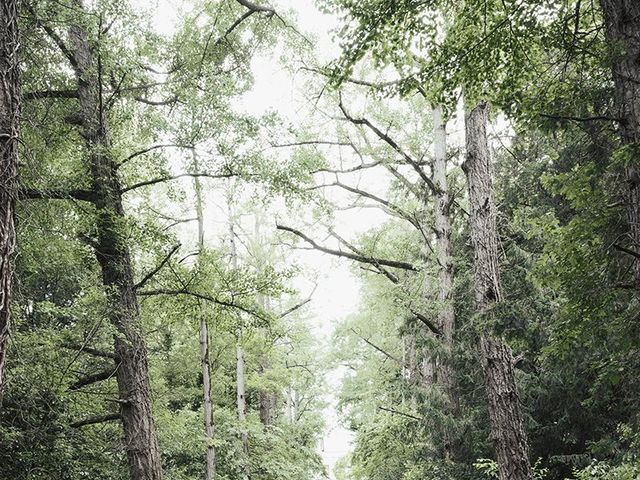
column 337, row 294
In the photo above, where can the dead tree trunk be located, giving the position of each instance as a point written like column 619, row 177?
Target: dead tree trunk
column 507, row 427
column 210, row 466
column 241, row 395
column 9, row 115
column 446, row 314
column 113, row 256
column 622, row 27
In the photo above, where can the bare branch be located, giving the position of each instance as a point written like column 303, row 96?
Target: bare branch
column 392, row 143
column 150, row 275
column 157, row 103
column 238, row 22
column 311, row 142
column 96, row 377
column 378, row 268
column 358, row 258
column 55, row 37
column 254, row 7
column 110, row 417
column 294, row 308
column 376, row 347
column 626, row 250
column 175, row 177
column 595, row 118
column 150, row 149
column 428, row 323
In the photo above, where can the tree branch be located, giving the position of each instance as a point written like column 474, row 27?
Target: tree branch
column 254, row 7
column 429, row 324
column 90, row 379
column 294, row 308
column 151, row 148
column 408, row 415
column 90, row 351
column 50, row 94
column 33, row 194
column 626, row 250
column 110, row 417
column 217, row 301
column 392, row 143
column 150, row 275
column 157, row 103
column 175, row 177
column 358, row 258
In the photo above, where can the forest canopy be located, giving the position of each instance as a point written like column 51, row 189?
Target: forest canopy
column 298, row 239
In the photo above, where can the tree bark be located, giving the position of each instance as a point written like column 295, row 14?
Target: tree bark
column 205, row 364
column 210, row 472
column 9, row 119
column 622, row 28
column 241, row 395
column 446, row 314
column 507, row 429
column 112, row 252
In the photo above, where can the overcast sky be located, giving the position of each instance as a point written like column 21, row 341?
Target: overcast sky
column 337, row 294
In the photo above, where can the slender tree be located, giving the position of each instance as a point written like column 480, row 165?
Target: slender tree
column 205, row 362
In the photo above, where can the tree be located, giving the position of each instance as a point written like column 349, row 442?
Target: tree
column 9, row 118
column 622, row 24
column 510, row 438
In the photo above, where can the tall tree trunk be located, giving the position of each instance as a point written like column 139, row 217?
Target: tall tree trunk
column 210, row 466
column 241, row 395
column 9, row 117
column 622, row 27
column 112, row 252
column 288, row 411
column 240, row 390
column 265, row 398
column 446, row 314
column 507, row 428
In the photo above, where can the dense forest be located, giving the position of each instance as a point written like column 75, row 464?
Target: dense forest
column 166, row 235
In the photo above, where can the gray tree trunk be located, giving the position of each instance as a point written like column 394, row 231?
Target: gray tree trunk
column 507, row 429
column 241, row 396
column 112, row 253
column 9, row 117
column 446, row 314
column 622, row 27
column 210, row 466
